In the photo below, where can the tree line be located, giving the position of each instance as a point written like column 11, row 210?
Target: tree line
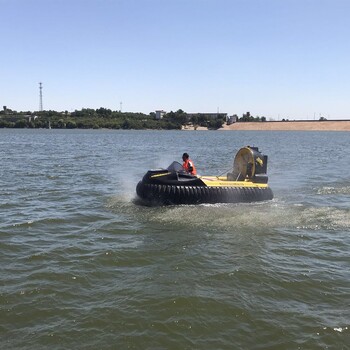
column 247, row 117
column 88, row 118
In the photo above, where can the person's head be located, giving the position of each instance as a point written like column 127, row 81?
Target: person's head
column 185, row 156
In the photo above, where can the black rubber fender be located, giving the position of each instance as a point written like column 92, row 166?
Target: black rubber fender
column 173, row 194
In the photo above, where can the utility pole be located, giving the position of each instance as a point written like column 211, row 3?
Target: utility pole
column 41, row 97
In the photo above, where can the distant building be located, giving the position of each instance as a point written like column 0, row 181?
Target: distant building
column 232, row 119
column 160, row 114
column 30, row 117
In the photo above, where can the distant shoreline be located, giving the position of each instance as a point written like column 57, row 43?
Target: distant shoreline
column 311, row 125
column 327, row 125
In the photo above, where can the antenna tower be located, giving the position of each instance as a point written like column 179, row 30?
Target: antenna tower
column 41, row 97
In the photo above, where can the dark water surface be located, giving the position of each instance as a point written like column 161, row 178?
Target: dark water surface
column 84, row 267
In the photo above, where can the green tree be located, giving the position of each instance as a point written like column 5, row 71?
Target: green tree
column 61, row 124
column 22, row 123
column 71, row 124
column 103, row 112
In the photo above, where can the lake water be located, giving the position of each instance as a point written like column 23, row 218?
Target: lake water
column 84, row 267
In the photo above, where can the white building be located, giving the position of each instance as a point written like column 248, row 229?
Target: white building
column 232, row 119
column 160, row 114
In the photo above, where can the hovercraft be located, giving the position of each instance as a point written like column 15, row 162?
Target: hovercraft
column 247, row 182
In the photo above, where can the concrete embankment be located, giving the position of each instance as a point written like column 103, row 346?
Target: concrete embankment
column 329, row 125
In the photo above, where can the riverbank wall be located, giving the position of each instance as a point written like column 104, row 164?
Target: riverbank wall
column 327, row 125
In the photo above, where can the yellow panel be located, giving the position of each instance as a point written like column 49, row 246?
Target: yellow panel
column 213, row 181
column 158, row 175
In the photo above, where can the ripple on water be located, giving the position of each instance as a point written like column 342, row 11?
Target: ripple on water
column 84, row 267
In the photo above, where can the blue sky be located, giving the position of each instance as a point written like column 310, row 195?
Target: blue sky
column 274, row 58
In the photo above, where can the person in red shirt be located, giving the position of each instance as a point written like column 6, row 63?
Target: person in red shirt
column 188, row 164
